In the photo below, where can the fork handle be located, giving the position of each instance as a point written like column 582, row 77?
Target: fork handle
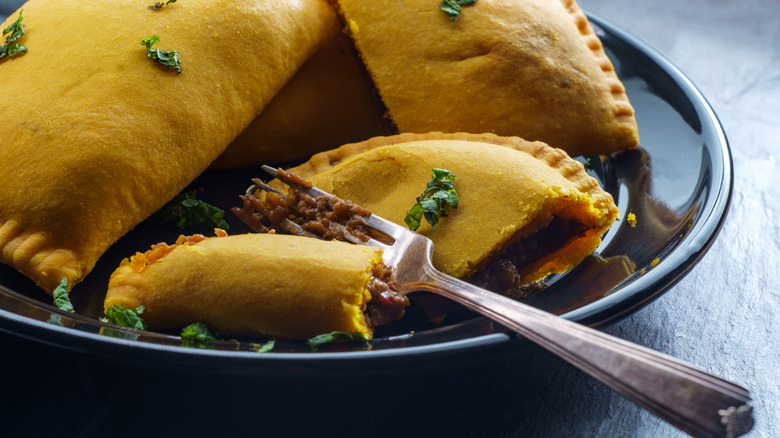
column 692, row 400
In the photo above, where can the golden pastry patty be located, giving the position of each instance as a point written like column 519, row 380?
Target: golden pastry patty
column 98, row 136
column 509, row 189
column 251, row 284
column 528, row 68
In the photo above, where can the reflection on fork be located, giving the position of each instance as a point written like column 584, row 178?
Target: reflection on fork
column 688, row 398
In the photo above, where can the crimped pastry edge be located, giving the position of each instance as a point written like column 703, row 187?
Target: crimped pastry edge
column 621, row 108
column 555, row 158
column 35, row 255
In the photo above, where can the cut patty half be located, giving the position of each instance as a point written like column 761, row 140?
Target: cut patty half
column 526, row 210
column 259, row 284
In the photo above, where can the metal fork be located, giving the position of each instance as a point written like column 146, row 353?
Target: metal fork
column 690, row 399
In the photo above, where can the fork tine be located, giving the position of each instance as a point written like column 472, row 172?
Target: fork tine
column 309, row 190
column 373, row 221
column 263, row 186
column 385, row 226
column 373, row 242
column 269, row 170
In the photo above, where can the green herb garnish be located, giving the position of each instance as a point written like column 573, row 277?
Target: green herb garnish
column 14, row 31
column 123, row 317
column 159, row 5
column 196, row 336
column 268, row 346
column 438, row 194
column 167, row 58
column 55, row 319
column 326, row 338
column 61, row 298
column 588, row 163
column 453, row 7
column 121, row 334
column 188, row 211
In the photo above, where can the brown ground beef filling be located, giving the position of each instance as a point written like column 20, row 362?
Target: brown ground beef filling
column 328, row 219
column 387, row 304
column 502, row 273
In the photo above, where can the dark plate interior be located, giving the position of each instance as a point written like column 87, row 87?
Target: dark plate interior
column 678, row 184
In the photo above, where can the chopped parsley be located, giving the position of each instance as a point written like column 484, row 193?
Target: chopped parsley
column 326, row 338
column 158, row 5
column 438, row 194
column 588, row 163
column 121, row 334
column 14, row 31
column 61, row 299
column 196, row 336
column 268, row 346
column 454, row 7
column 123, row 317
column 55, row 319
column 167, row 58
column 188, row 211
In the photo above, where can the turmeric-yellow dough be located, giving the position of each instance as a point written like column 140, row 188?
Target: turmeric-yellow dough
column 528, row 68
column 508, row 189
column 252, row 284
column 329, row 102
column 96, row 136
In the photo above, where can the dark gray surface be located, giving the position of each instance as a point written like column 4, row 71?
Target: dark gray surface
column 723, row 316
column 8, row 6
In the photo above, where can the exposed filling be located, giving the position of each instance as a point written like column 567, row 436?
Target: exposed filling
column 327, row 219
column 300, row 214
column 334, row 218
column 139, row 261
column 386, row 304
column 504, row 273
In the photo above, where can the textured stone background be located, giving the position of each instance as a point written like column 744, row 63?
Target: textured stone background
column 724, row 316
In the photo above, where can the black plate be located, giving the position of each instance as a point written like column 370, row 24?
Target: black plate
column 678, row 183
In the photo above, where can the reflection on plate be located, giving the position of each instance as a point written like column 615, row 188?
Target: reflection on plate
column 677, row 183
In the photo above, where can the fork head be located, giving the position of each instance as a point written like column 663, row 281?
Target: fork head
column 407, row 252
column 410, row 254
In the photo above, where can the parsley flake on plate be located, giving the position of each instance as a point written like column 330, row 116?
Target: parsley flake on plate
column 268, row 346
column 196, row 335
column 61, row 298
column 123, row 317
column 188, row 211
column 326, row 338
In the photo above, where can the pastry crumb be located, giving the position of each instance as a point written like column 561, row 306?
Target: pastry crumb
column 631, row 219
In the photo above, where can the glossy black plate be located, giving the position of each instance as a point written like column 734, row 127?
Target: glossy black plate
column 678, row 183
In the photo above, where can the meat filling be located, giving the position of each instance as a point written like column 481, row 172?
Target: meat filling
column 387, row 304
column 504, row 272
column 327, row 219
